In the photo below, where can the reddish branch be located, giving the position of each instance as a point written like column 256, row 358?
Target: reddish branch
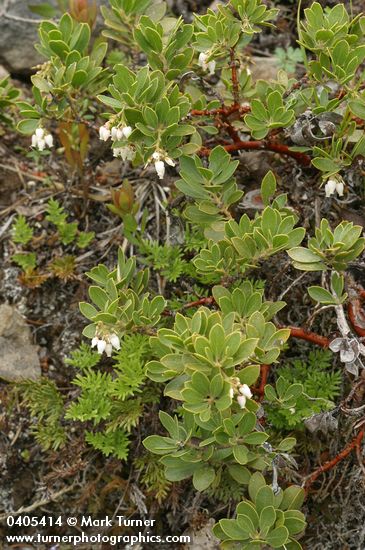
column 202, row 302
column 354, row 444
column 302, row 158
column 297, row 332
column 264, row 374
column 356, row 313
column 234, row 78
column 226, row 111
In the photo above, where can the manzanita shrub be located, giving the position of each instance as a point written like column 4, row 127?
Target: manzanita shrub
column 184, row 99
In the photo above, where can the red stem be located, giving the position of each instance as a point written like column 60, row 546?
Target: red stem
column 202, row 302
column 226, row 111
column 297, row 332
column 356, row 313
column 235, row 85
column 354, row 444
column 302, row 158
column 264, row 373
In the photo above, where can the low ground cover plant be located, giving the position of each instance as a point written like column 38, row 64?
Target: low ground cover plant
column 188, row 325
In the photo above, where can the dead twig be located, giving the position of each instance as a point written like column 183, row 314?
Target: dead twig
column 355, row 443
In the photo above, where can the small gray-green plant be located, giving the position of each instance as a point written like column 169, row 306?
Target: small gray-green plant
column 65, row 233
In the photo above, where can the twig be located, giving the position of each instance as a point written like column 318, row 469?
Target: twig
column 38, row 503
column 354, row 444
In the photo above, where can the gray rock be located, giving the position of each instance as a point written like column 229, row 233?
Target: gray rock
column 203, row 539
column 18, row 34
column 264, row 68
column 18, row 356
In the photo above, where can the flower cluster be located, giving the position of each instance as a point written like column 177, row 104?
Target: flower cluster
column 205, row 64
column 41, row 140
column 244, row 393
column 106, row 343
column 335, row 184
column 118, row 133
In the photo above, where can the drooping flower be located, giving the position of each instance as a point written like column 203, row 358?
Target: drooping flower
column 114, row 340
column 245, row 390
column 101, row 345
column 49, row 140
column 160, row 158
column 241, row 400
column 205, row 64
column 94, row 342
column 125, row 153
column 106, row 343
column 118, row 133
column 127, row 130
column 160, row 168
column 41, row 139
column 335, row 184
column 41, row 144
column 104, row 132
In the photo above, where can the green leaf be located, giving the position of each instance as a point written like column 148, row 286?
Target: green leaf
column 293, row 498
column 248, row 375
column 28, row 126
column 169, row 424
column 264, row 498
column 231, row 528
column 240, row 453
column 203, row 478
column 325, row 165
column 239, row 473
column 278, row 537
column 303, row 255
column 294, row 521
column 267, row 518
column 88, row 310
column 159, row 445
column 268, row 187
column 98, row 296
column 286, row 444
column 358, row 108
column 247, row 509
column 44, row 10
column 256, row 482
column 256, row 438
column 321, row 295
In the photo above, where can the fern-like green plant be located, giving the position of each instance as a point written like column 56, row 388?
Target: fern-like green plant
column 321, row 385
column 109, row 400
column 46, row 406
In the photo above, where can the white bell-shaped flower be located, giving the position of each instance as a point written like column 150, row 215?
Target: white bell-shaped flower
column 104, row 133
column 49, row 140
column 241, row 400
column 330, row 187
column 245, row 390
column 127, row 130
column 160, row 168
column 101, row 346
column 114, row 340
